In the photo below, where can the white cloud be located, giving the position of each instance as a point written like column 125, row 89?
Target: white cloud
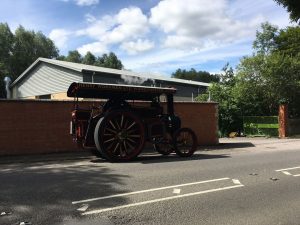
column 84, row 2
column 189, row 24
column 125, row 29
column 60, row 37
column 95, row 47
column 90, row 18
column 171, row 59
column 134, row 47
column 178, row 33
column 97, row 28
column 129, row 23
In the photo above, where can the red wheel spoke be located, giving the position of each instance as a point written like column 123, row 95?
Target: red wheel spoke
column 125, row 148
column 110, row 146
column 117, row 124
column 122, row 120
column 109, row 140
column 116, row 148
column 130, row 145
column 121, row 152
column 125, row 124
column 132, row 131
column 110, row 130
column 131, row 125
column 112, row 124
column 132, row 141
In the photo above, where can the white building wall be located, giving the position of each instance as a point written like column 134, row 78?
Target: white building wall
column 46, row 79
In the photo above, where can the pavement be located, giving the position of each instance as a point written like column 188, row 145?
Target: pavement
column 241, row 181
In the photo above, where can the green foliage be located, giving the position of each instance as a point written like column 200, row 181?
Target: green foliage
column 89, row 59
column 265, row 39
column 109, row 61
column 18, row 51
column 293, row 7
column 73, row 56
column 28, row 46
column 6, row 45
column 224, row 93
column 288, row 41
column 202, row 76
column 227, row 77
column 261, row 125
column 269, row 77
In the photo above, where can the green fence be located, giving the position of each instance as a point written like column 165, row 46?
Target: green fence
column 261, row 125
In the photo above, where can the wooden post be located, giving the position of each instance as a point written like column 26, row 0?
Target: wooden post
column 283, row 121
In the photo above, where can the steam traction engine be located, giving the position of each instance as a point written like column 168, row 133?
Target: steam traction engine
column 119, row 129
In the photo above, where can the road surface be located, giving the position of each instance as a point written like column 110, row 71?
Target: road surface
column 247, row 182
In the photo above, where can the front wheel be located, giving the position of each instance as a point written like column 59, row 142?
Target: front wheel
column 185, row 142
column 164, row 146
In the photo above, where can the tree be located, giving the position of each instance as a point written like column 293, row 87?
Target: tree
column 18, row 51
column 192, row 74
column 223, row 93
column 265, row 39
column 293, row 7
column 6, row 44
column 267, row 78
column 74, row 56
column 89, row 59
column 276, row 75
column 61, row 57
column 287, row 41
column 227, row 77
column 28, row 46
column 109, row 61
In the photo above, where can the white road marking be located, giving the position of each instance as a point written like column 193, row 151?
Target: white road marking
column 296, row 175
column 176, row 191
column 292, row 168
column 83, row 208
column 236, row 181
column 286, row 173
column 148, row 190
column 159, row 200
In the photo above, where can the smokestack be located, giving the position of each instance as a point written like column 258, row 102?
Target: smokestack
column 7, row 82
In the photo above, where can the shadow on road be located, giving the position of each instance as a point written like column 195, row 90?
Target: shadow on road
column 223, row 146
column 43, row 195
column 147, row 158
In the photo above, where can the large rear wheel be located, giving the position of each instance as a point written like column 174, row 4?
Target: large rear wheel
column 120, row 136
column 98, row 152
column 185, row 142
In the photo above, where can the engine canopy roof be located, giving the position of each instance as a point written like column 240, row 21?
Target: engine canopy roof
column 109, row 91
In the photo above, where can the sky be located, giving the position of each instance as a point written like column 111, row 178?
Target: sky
column 150, row 36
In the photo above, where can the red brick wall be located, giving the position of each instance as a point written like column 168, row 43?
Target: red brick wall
column 202, row 118
column 31, row 126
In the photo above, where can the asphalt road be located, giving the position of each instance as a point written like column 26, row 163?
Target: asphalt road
column 248, row 182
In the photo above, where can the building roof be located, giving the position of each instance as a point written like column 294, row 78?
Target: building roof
column 83, row 67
